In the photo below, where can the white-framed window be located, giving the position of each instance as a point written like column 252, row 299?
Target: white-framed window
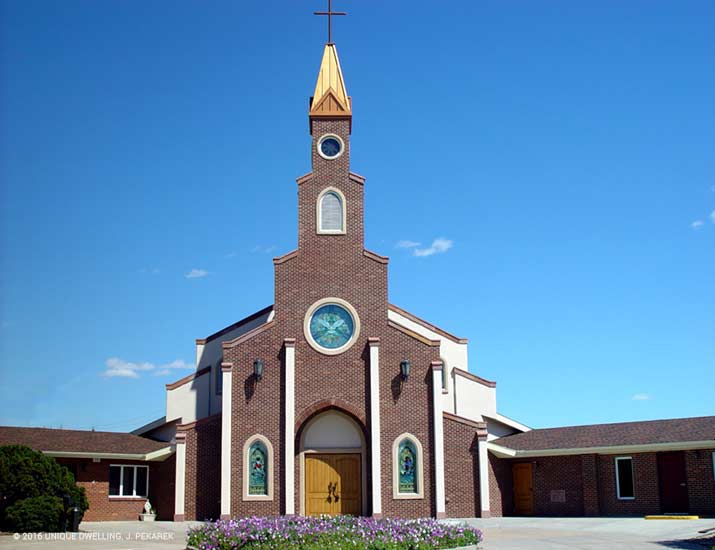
column 625, row 481
column 128, row 481
column 258, row 469
column 331, row 212
column 407, row 468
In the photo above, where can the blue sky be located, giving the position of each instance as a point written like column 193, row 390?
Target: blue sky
column 556, row 159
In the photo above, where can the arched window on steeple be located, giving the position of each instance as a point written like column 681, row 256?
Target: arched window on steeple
column 331, row 212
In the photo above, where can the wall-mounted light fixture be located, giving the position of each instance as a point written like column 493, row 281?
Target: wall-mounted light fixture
column 405, row 369
column 258, row 369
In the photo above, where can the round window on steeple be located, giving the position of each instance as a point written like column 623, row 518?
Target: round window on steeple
column 330, row 146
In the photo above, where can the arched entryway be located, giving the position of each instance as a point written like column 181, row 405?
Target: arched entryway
column 332, row 465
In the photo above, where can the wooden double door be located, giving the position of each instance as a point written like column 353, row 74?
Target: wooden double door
column 333, row 484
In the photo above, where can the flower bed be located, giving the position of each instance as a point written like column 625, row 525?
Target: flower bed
column 332, row 533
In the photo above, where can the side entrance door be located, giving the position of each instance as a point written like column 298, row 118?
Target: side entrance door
column 673, row 483
column 523, row 489
column 333, row 484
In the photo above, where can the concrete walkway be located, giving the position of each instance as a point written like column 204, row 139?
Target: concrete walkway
column 500, row 534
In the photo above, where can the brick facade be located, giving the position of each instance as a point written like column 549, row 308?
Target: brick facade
column 94, row 477
column 461, row 469
column 331, row 266
column 589, row 483
column 701, row 481
column 203, row 468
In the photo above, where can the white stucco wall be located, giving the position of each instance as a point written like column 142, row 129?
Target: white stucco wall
column 473, row 399
column 452, row 353
column 463, row 396
column 198, row 398
column 498, row 429
column 332, row 430
column 190, row 401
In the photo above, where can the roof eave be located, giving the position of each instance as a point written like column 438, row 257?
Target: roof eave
column 503, row 451
column 153, row 456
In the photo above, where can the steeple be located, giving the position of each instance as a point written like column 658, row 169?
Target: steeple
column 330, row 99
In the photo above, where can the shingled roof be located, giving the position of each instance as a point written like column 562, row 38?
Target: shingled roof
column 625, row 434
column 81, row 442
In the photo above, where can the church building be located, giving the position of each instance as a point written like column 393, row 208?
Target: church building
column 333, row 400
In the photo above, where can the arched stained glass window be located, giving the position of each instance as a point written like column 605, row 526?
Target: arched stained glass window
column 407, row 457
column 331, row 212
column 257, row 469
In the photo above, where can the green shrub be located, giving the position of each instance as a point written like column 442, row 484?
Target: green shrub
column 27, row 474
column 35, row 514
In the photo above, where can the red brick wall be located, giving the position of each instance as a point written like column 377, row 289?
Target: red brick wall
column 589, row 475
column 203, row 469
column 94, row 477
column 590, row 485
column 331, row 266
column 558, row 473
column 162, row 487
column 461, row 470
column 701, row 481
column 501, row 487
column 645, row 473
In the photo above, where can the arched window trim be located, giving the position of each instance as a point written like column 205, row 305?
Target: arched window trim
column 246, row 465
column 318, row 210
column 420, row 494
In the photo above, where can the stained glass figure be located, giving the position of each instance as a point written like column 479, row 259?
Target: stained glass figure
column 407, row 456
column 258, row 469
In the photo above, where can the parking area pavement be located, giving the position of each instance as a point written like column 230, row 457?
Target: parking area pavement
column 499, row 534
column 594, row 533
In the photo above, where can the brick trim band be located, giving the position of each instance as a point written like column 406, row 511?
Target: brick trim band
column 327, row 404
column 475, row 378
column 187, row 379
column 411, row 334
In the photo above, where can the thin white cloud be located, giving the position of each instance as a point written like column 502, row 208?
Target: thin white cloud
column 196, row 274
column 641, row 397
column 712, row 216
column 260, row 249
column 231, row 254
column 407, row 244
column 697, row 224
column 153, row 271
column 438, row 246
column 119, row 368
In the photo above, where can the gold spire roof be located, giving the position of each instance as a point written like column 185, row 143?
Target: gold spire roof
column 330, row 97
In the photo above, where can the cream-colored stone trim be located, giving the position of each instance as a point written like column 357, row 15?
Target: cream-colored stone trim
column 269, row 463
column 180, row 480
column 319, row 213
column 438, row 433
column 375, row 458
column 320, row 141
column 289, row 427
column 484, row 500
column 309, row 336
column 226, row 417
column 396, row 468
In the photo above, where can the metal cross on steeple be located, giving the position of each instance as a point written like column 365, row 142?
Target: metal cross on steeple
column 330, row 14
